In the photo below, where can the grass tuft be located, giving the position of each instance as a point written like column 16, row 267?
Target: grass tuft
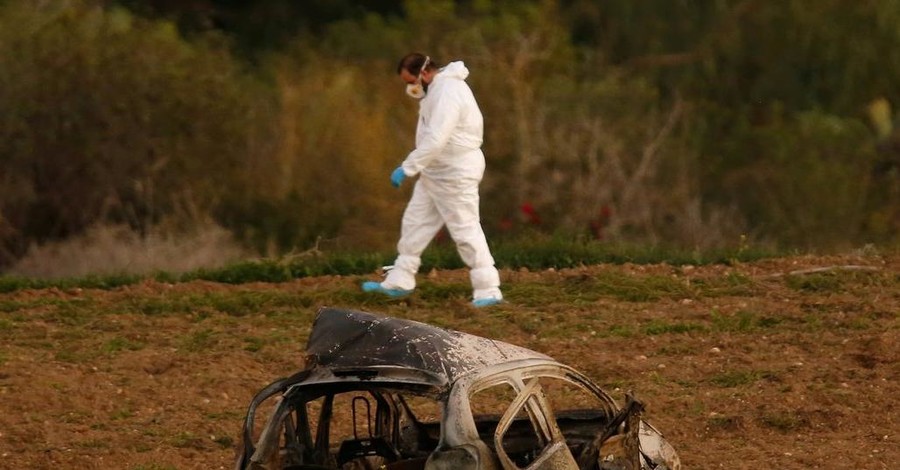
column 660, row 327
column 783, row 421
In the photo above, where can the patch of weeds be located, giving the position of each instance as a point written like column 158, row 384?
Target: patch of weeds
column 354, row 296
column 224, row 442
column 245, row 271
column 733, row 284
column 187, row 439
column 783, row 421
column 768, row 322
column 6, row 325
column 697, row 408
column 142, row 447
column 304, row 301
column 287, row 337
column 660, row 327
column 72, row 313
column 553, row 325
column 199, row 341
column 70, row 335
column 812, row 322
column 8, row 306
column 621, row 331
column 741, row 322
column 818, row 282
column 14, row 283
column 685, row 383
column 857, row 323
column 152, row 432
column 3, row 358
column 531, row 325
column 725, row 423
column 119, row 343
column 532, row 294
column 737, row 378
column 103, row 282
column 242, row 303
column 657, row 378
column 637, row 289
column 121, row 413
column 252, row 344
column 615, row 384
column 202, row 314
column 93, row 444
column 436, row 292
column 154, row 306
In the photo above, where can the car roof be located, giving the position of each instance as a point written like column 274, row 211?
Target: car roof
column 344, row 339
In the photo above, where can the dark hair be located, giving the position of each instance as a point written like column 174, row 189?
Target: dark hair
column 413, row 63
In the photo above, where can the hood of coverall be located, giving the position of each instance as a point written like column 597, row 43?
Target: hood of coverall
column 453, row 70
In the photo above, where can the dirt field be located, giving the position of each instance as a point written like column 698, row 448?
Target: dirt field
column 791, row 363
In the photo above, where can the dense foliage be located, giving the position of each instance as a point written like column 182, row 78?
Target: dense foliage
column 695, row 124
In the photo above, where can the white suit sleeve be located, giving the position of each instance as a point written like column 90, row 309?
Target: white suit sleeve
column 437, row 132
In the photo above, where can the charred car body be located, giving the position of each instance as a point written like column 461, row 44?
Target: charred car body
column 388, row 393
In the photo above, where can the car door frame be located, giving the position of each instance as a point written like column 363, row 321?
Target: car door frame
column 555, row 454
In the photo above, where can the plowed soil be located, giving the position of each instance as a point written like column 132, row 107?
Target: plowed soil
column 789, row 363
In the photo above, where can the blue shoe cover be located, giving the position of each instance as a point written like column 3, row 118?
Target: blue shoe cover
column 372, row 286
column 486, row 302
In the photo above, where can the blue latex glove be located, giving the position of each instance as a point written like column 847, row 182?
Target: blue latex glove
column 397, row 177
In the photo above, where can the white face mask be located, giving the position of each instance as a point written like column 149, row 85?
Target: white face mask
column 417, row 90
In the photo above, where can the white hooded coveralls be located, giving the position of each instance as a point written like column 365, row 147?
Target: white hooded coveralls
column 450, row 165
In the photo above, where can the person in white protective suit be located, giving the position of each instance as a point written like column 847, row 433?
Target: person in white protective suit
column 450, row 165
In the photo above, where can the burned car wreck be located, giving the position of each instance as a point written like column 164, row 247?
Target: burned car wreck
column 387, row 393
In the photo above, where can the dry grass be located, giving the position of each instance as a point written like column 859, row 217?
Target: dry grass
column 116, row 249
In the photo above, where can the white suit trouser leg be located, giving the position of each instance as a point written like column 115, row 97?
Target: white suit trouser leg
column 454, row 204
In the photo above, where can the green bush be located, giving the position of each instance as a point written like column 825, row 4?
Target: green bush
column 109, row 117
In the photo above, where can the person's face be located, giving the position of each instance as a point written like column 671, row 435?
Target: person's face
column 410, row 79
column 416, row 86
column 407, row 77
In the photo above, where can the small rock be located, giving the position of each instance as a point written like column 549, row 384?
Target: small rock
column 715, row 350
